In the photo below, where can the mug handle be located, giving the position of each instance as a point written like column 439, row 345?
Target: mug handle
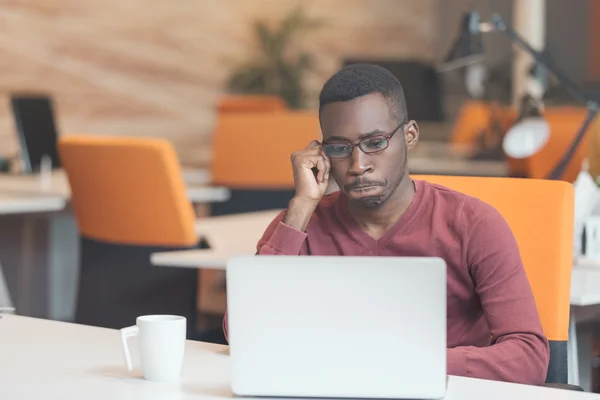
column 126, row 333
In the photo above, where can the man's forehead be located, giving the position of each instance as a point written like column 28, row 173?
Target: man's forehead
column 356, row 118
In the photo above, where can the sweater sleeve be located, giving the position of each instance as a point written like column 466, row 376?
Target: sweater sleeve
column 278, row 239
column 519, row 351
column 281, row 239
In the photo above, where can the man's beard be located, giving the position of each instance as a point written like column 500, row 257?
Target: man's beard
column 374, row 202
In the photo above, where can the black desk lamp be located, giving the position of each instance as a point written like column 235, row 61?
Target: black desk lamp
column 529, row 135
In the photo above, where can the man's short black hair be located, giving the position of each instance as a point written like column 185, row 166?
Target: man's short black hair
column 361, row 79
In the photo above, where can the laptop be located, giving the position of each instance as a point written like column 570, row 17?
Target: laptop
column 337, row 327
column 36, row 129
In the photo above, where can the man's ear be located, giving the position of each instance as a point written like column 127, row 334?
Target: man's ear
column 411, row 134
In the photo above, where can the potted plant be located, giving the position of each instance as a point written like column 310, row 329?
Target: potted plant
column 276, row 70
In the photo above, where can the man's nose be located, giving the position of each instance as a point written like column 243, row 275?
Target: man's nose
column 361, row 162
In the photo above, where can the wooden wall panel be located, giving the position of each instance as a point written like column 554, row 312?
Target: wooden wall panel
column 155, row 68
column 594, row 41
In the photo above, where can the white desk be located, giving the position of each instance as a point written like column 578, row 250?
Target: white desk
column 228, row 235
column 13, row 203
column 25, row 204
column 196, row 183
column 47, row 360
column 585, row 312
column 585, row 286
column 47, row 249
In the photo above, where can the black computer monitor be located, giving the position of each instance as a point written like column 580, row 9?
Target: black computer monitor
column 34, row 119
column 423, row 89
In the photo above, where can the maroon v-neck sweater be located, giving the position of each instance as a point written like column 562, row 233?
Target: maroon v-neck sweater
column 494, row 330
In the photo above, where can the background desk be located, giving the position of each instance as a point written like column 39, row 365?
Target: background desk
column 22, row 203
column 585, row 319
column 39, row 241
column 58, row 185
column 228, row 235
column 56, row 360
column 11, row 204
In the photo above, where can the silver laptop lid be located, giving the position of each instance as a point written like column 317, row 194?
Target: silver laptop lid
column 360, row 327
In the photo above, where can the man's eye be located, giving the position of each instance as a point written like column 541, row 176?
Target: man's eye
column 339, row 148
column 376, row 143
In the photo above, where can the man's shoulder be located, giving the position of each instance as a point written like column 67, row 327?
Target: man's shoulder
column 466, row 207
column 445, row 196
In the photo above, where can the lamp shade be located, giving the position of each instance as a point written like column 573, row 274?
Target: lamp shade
column 526, row 138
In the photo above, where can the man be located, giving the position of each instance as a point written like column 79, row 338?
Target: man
column 494, row 330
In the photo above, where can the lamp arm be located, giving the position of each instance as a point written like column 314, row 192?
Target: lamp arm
column 560, row 168
column 573, row 87
column 508, row 30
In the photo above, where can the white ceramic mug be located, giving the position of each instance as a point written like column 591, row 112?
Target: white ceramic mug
column 162, row 345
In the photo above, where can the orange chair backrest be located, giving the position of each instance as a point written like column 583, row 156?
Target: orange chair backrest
column 475, row 118
column 540, row 214
column 250, row 103
column 128, row 191
column 564, row 123
column 472, row 120
column 252, row 150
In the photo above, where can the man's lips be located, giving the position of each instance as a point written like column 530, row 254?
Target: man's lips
column 362, row 187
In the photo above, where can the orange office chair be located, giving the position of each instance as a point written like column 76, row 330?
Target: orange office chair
column 251, row 156
column 564, row 123
column 129, row 200
column 593, row 154
column 472, row 120
column 540, row 214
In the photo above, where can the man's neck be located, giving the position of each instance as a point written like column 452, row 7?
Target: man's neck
column 383, row 218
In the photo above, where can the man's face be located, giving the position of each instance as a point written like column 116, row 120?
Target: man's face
column 369, row 174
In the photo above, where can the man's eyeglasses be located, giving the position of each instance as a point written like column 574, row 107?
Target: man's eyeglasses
column 369, row 145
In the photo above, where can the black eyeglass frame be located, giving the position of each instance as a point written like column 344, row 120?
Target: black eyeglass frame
column 386, row 137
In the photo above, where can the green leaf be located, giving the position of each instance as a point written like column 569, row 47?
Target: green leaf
column 273, row 70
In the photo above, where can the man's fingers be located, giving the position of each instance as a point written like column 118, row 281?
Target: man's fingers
column 313, row 158
column 323, row 166
column 313, row 144
column 327, row 168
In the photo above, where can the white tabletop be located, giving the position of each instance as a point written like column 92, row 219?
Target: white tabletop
column 201, row 259
column 585, row 285
column 228, row 235
column 44, row 359
column 235, row 231
column 12, row 203
column 58, row 185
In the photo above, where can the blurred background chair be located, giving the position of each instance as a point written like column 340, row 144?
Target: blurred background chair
column 564, row 122
column 251, row 157
column 250, row 103
column 129, row 201
column 540, row 214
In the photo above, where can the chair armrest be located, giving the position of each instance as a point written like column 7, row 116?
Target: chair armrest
column 564, row 386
